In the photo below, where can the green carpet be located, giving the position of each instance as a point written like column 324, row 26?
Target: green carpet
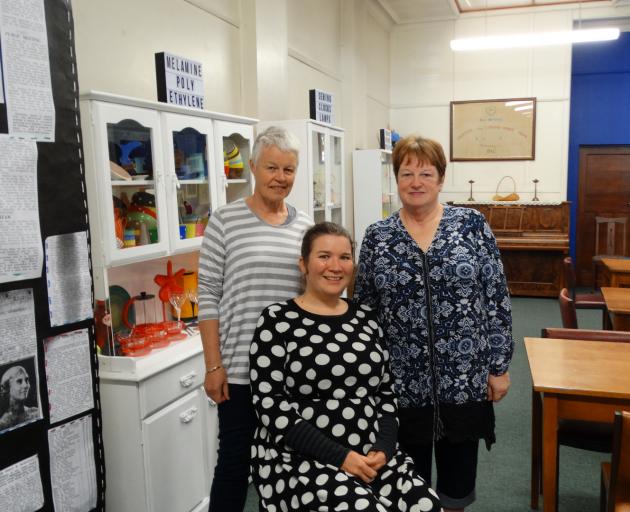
column 503, row 477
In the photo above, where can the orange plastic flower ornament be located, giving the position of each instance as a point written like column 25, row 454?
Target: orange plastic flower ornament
column 170, row 283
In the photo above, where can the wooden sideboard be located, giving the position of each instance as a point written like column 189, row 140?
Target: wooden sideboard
column 533, row 239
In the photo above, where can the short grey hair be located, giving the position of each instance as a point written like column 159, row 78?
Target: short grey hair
column 276, row 136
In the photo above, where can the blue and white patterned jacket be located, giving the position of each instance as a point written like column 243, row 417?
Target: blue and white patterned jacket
column 446, row 313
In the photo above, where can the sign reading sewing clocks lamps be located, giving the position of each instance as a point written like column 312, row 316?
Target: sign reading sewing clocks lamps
column 321, row 106
column 179, row 80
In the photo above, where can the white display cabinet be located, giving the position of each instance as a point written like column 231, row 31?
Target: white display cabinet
column 319, row 188
column 159, row 431
column 154, row 172
column 375, row 189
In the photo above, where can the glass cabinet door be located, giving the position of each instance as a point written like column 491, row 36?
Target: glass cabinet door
column 389, row 187
column 131, row 170
column 335, row 183
column 386, row 186
column 395, row 198
column 318, row 165
column 233, row 145
column 188, row 162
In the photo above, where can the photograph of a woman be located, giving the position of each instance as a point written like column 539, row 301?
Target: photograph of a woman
column 18, row 394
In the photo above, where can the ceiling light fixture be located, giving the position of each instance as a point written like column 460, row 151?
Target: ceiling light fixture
column 532, row 39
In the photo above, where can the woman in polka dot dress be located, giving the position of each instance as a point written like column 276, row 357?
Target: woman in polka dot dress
column 326, row 439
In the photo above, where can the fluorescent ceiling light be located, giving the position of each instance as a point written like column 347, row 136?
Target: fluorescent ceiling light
column 534, row 39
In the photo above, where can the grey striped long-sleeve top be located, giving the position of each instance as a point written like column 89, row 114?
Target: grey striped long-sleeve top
column 245, row 265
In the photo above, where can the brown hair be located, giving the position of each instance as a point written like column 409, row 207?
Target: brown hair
column 321, row 229
column 425, row 150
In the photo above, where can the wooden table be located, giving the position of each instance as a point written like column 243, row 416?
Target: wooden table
column 572, row 379
column 618, row 304
column 616, row 271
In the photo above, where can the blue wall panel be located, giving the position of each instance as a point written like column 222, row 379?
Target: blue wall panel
column 600, row 104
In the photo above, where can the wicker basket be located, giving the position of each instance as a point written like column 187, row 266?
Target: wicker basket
column 512, row 196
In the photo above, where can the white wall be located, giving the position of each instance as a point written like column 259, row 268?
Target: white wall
column 376, row 47
column 116, row 41
column 426, row 75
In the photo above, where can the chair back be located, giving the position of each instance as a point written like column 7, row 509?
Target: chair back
column 567, row 310
column 569, row 275
column 614, row 230
column 619, row 492
column 585, row 334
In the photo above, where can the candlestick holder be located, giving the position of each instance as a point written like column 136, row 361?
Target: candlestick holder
column 535, row 198
column 471, row 198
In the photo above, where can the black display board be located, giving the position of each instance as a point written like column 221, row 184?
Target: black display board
column 62, row 209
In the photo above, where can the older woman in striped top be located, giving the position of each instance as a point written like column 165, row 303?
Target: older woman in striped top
column 249, row 260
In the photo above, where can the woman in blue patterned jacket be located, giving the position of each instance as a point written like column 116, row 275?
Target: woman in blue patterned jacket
column 434, row 274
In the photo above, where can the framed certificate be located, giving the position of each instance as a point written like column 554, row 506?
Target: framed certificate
column 493, row 129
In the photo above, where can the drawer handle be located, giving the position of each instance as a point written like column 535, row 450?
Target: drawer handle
column 188, row 380
column 188, row 416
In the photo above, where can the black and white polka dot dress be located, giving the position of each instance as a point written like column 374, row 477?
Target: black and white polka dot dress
column 321, row 387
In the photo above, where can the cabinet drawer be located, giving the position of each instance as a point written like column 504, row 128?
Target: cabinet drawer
column 168, row 385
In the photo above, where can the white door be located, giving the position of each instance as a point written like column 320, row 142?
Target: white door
column 176, row 468
column 212, row 429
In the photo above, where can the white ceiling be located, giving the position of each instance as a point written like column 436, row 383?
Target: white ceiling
column 412, row 11
column 482, row 5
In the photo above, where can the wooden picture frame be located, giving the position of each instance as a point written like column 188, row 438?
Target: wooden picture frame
column 501, row 129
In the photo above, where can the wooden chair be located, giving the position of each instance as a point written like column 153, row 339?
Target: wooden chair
column 567, row 310
column 584, row 300
column 615, row 486
column 607, row 247
column 585, row 435
column 586, row 334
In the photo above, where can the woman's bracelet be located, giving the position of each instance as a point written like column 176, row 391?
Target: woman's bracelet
column 213, row 369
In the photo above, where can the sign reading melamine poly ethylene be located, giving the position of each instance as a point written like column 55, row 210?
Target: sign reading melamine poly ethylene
column 321, row 106
column 179, row 80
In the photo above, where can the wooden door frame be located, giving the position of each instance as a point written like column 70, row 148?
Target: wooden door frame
column 584, row 150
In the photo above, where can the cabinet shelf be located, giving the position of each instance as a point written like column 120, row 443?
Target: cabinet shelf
column 196, row 181
column 235, row 181
column 133, row 183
